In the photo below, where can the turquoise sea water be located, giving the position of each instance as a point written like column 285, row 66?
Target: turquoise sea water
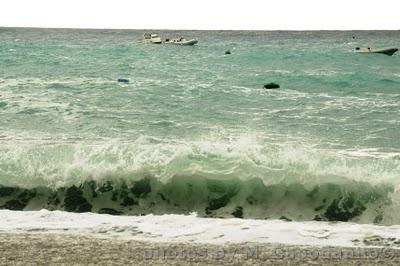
column 194, row 130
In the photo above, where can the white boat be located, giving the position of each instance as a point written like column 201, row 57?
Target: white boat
column 181, row 41
column 386, row 51
column 152, row 38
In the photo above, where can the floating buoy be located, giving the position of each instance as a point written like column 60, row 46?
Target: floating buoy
column 123, row 80
column 227, row 52
column 271, row 86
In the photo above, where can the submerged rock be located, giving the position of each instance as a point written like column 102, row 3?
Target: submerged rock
column 7, row 191
column 284, row 218
column 106, row 187
column 27, row 195
column 114, row 196
column 141, row 188
column 271, row 85
column 109, row 211
column 128, row 201
column 14, row 205
column 345, row 208
column 215, row 204
column 123, row 80
column 53, row 199
column 75, row 202
column 238, row 213
column 317, row 218
column 163, row 197
column 211, row 197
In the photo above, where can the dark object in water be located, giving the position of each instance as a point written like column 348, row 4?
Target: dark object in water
column 238, row 213
column 75, row 201
column 284, row 218
column 109, row 211
column 123, row 80
column 271, row 86
column 227, row 52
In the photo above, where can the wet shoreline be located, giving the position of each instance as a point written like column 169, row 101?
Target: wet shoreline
column 45, row 248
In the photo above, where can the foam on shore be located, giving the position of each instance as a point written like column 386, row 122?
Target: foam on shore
column 190, row 228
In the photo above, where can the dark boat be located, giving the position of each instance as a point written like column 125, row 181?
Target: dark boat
column 386, row 51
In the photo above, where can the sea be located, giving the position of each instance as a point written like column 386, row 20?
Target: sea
column 195, row 131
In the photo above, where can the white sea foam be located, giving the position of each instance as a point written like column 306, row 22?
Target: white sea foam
column 190, row 228
column 59, row 161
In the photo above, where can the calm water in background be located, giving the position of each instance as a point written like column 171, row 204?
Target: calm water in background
column 197, row 114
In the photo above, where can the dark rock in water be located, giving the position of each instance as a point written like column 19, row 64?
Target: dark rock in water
column 14, row 205
column 128, row 201
column 344, row 209
column 238, row 213
column 227, row 52
column 251, row 200
column 141, row 188
column 106, row 187
column 319, row 208
column 123, row 193
column 7, row 191
column 217, row 203
column 123, row 80
column 164, row 198
column 26, row 195
column 285, row 219
column 271, row 86
column 114, row 196
column 86, row 207
column 53, row 200
column 317, row 218
column 230, row 189
column 75, row 202
column 109, row 211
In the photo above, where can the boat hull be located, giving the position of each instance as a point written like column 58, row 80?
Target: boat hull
column 386, row 51
column 185, row 43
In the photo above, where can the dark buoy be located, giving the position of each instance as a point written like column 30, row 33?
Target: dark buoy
column 227, row 52
column 123, row 80
column 271, row 86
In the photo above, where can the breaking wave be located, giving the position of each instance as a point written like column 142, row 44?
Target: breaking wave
column 354, row 201
column 244, row 177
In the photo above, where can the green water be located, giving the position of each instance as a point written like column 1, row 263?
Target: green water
column 197, row 114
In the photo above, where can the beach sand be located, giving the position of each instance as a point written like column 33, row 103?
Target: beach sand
column 50, row 248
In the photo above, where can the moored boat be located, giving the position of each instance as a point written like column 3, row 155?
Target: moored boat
column 386, row 51
column 181, row 41
column 152, row 38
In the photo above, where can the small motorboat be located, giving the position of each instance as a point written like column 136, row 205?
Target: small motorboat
column 152, row 38
column 181, row 41
column 386, row 51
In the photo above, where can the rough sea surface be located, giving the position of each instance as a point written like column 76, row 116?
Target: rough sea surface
column 194, row 129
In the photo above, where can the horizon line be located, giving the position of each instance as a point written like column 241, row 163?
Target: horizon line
column 160, row 29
